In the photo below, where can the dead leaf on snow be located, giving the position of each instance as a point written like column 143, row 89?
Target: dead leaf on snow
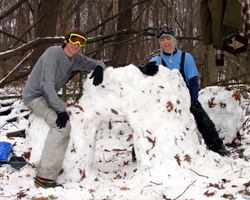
column 130, row 137
column 21, row 195
column 61, row 171
column 187, row 158
column 125, row 163
column 247, row 184
column 26, row 155
column 225, row 180
column 223, row 105
column 125, row 188
column 177, row 157
column 114, row 111
column 241, row 191
column 169, row 106
column 209, row 194
column 228, row 196
column 118, row 176
column 211, row 103
column 236, row 96
column 77, row 106
column 220, row 187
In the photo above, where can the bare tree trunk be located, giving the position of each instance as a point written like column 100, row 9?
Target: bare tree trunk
column 210, row 71
column 115, row 11
column 124, row 20
column 46, row 27
column 173, row 14
column 27, row 20
column 141, row 47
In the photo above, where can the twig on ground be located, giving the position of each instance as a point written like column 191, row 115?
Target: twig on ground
column 8, row 123
column 198, row 174
column 185, row 190
column 4, row 125
column 165, row 197
column 155, row 183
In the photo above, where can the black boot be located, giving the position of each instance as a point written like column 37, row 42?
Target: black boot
column 221, row 150
column 39, row 182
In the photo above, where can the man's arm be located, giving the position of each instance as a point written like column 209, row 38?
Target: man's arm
column 194, row 88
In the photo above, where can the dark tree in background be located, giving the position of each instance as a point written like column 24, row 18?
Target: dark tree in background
column 47, row 13
column 120, row 32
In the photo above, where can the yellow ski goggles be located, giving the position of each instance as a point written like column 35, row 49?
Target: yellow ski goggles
column 77, row 39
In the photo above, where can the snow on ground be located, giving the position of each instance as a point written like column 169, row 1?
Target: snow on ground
column 151, row 113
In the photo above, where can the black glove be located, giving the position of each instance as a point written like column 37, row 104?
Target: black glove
column 98, row 75
column 62, row 119
column 149, row 69
column 198, row 112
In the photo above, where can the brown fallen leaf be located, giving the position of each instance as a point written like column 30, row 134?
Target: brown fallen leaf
column 209, row 194
column 125, row 163
column 125, row 188
column 177, row 157
column 114, row 111
column 211, row 103
column 187, row 158
column 130, row 137
column 236, row 96
column 170, row 106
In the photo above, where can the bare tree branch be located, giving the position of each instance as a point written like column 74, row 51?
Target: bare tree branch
column 12, row 9
column 19, row 64
column 114, row 16
column 12, row 36
column 26, row 47
column 31, row 27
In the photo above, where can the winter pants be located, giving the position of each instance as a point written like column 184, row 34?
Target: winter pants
column 56, row 142
column 206, row 128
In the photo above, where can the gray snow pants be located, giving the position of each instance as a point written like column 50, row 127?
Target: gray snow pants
column 56, row 142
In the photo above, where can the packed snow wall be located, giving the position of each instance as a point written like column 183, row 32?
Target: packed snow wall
column 156, row 108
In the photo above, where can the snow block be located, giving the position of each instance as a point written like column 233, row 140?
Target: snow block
column 220, row 103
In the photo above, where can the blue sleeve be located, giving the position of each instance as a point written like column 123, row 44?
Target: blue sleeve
column 157, row 59
column 194, row 88
column 190, row 68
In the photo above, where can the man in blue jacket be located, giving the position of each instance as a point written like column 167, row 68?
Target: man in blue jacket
column 49, row 75
column 171, row 58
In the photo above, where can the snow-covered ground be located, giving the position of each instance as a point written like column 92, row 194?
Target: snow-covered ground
column 151, row 113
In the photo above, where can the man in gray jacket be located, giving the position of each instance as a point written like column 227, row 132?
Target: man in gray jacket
column 49, row 75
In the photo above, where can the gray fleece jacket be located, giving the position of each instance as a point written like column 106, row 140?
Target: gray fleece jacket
column 50, row 74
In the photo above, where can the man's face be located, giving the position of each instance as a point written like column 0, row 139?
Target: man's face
column 71, row 49
column 166, row 44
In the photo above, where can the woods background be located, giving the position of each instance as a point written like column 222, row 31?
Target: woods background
column 120, row 32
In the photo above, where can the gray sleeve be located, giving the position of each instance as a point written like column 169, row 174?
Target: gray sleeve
column 88, row 64
column 48, row 82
